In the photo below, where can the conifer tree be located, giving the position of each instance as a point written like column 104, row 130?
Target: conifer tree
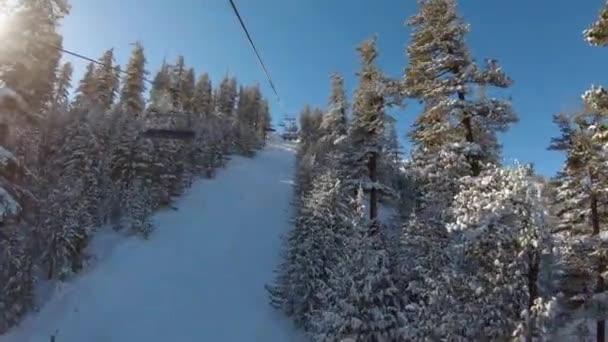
column 203, row 96
column 160, row 87
column 29, row 66
column 133, row 87
column 581, row 194
column 313, row 251
column 367, row 128
column 582, row 181
column 365, row 304
column 225, row 105
column 443, row 75
column 64, row 83
column 16, row 261
column 17, row 277
column 187, row 94
column 597, row 34
column 226, row 97
column 202, row 108
column 310, row 132
column 85, row 92
column 335, row 121
column 72, row 206
column 178, row 71
column 249, row 119
column 265, row 120
column 54, row 122
column 106, row 81
column 499, row 236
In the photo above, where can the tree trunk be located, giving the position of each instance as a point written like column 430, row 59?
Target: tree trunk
column 3, row 134
column 468, row 127
column 373, row 197
column 51, row 271
column 533, row 270
column 595, row 221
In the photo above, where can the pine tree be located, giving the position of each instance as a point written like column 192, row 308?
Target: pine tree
column 17, row 277
column 133, row 172
column 265, row 120
column 314, row 248
column 581, row 195
column 16, row 203
column 202, row 108
column 334, row 125
column 203, row 96
column 225, row 105
column 159, row 93
column 55, row 120
column 597, row 34
column 61, row 94
column 28, row 66
column 72, row 207
column 310, row 132
column 106, row 81
column 85, row 92
column 499, row 235
column 187, row 94
column 442, row 74
column 178, row 71
column 139, row 207
column 365, row 304
column 581, row 190
column 367, row 128
column 335, row 121
column 249, row 117
column 226, row 97
column 131, row 96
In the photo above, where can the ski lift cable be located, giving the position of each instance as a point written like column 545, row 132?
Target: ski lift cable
column 236, row 12
column 164, row 133
column 89, row 59
column 261, row 62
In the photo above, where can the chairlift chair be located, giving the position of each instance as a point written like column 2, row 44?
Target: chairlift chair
column 176, row 126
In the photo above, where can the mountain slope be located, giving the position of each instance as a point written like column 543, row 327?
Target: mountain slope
column 200, row 277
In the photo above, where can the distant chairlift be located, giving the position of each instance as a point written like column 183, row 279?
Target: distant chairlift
column 176, row 126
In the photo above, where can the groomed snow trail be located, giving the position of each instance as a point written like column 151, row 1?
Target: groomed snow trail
column 200, row 277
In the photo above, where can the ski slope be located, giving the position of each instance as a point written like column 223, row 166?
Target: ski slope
column 200, row 277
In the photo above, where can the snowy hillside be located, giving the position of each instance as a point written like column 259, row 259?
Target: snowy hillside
column 200, row 277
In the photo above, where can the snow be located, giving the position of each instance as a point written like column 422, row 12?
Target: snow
column 201, row 275
column 8, row 92
column 8, row 205
column 5, row 155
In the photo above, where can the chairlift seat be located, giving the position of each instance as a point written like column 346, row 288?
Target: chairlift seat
column 177, row 126
column 161, row 133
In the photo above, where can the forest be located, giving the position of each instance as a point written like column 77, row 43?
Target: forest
column 442, row 244
column 70, row 165
column 446, row 243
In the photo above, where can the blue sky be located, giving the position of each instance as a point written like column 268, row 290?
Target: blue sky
column 539, row 43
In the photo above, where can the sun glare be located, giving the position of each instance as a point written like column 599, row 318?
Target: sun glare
column 6, row 7
column 4, row 20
